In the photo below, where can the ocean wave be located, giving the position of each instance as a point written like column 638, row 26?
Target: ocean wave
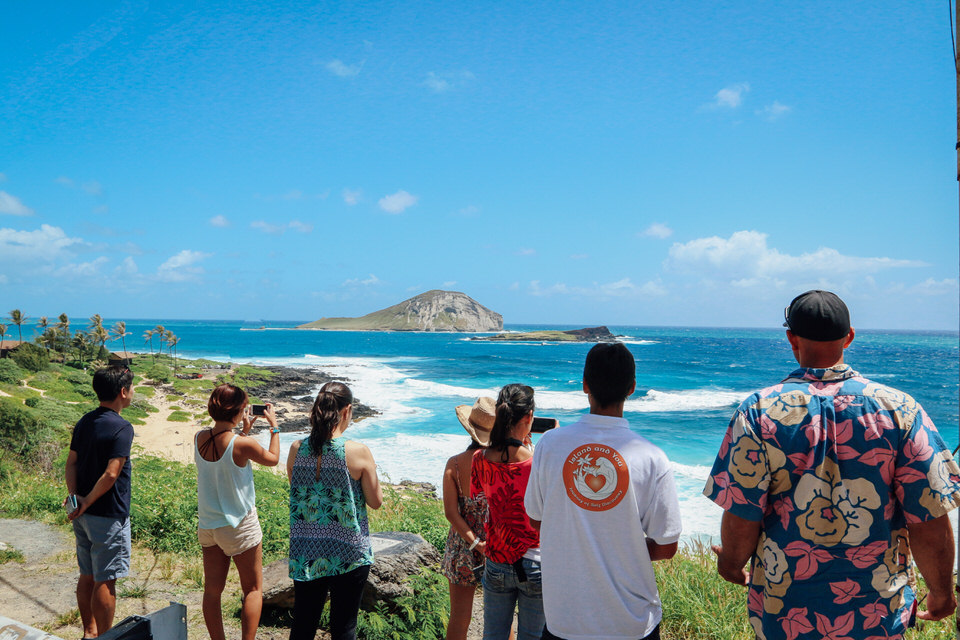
column 697, row 472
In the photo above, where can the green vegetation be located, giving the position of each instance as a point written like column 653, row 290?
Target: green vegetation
column 34, row 437
column 10, row 372
column 10, row 555
column 179, row 416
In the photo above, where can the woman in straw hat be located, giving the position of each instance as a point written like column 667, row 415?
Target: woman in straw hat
column 463, row 556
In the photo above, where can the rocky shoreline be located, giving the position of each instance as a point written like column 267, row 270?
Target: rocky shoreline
column 294, row 390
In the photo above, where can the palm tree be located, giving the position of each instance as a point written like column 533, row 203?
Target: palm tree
column 80, row 342
column 99, row 335
column 48, row 338
column 3, row 330
column 148, row 339
column 159, row 330
column 173, row 341
column 43, row 323
column 17, row 318
column 63, row 328
column 120, row 332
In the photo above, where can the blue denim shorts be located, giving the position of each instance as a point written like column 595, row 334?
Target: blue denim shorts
column 103, row 546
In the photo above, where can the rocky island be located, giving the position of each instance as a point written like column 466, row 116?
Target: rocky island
column 434, row 310
column 590, row 334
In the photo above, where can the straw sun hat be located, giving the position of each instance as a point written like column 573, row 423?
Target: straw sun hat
column 478, row 420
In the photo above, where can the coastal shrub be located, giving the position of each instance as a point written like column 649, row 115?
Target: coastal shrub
column 10, row 372
column 158, row 373
column 273, row 508
column 163, row 506
column 18, row 391
column 59, row 415
column 21, row 431
column 424, row 613
column 178, row 416
column 30, row 357
column 33, row 495
column 149, row 392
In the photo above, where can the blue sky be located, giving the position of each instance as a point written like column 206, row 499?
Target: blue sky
column 651, row 163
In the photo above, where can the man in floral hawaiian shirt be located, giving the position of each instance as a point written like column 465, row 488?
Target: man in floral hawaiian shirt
column 830, row 482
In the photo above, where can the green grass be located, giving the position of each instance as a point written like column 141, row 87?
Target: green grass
column 147, row 391
column 179, row 416
column 10, row 555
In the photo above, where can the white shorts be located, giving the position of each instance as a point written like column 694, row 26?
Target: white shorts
column 234, row 540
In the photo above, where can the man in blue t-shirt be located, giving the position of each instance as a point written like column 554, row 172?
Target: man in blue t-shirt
column 98, row 476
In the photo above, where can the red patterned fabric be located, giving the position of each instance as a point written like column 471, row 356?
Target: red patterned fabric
column 509, row 534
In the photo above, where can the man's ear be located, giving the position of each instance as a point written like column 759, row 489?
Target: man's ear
column 586, row 388
column 794, row 343
column 633, row 387
column 849, row 340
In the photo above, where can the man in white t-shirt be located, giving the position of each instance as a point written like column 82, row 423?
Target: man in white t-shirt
column 605, row 503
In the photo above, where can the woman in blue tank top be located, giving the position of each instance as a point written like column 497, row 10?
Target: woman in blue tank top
column 332, row 482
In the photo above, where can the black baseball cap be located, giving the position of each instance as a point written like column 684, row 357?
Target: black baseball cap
column 818, row 315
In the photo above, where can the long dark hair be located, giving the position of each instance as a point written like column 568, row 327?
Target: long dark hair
column 514, row 402
column 325, row 414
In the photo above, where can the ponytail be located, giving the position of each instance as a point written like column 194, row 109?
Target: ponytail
column 514, row 402
column 325, row 414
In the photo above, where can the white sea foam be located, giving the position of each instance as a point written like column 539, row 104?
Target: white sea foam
column 697, row 472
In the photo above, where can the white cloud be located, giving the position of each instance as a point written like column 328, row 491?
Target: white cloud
column 12, row 205
column 580, row 256
column 397, row 202
column 45, row 244
column 302, row 227
column 219, row 221
column 101, row 209
column 449, row 284
column 623, row 288
column 657, row 230
column 369, row 281
column 526, row 251
column 339, row 68
column 351, row 196
column 266, row 227
column 3, row 177
column 470, row 211
column 83, row 269
column 128, row 266
column 3, row 279
column 65, row 181
column 182, row 266
column 745, row 259
column 293, row 194
column 774, row 111
column 730, row 97
column 93, row 188
column 443, row 82
column 279, row 229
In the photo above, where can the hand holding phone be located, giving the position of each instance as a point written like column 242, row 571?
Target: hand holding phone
column 541, row 425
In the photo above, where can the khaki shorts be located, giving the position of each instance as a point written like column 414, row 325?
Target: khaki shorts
column 234, row 540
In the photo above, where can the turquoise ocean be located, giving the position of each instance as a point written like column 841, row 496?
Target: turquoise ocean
column 689, row 380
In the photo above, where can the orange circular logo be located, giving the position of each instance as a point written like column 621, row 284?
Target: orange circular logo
column 596, row 477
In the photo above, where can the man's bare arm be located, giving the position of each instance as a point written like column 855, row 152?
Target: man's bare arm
column 932, row 545
column 738, row 542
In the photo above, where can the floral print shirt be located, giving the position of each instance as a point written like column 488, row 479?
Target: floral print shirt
column 834, row 466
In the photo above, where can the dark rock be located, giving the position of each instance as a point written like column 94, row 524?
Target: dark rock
column 398, row 555
column 423, row 488
column 593, row 334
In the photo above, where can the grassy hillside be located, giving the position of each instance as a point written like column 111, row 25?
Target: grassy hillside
column 36, row 417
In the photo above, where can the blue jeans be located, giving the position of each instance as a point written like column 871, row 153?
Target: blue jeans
column 502, row 592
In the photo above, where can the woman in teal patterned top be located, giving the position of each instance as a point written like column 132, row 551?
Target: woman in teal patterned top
column 332, row 482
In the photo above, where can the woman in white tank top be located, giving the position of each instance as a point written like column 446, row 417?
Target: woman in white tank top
column 226, row 505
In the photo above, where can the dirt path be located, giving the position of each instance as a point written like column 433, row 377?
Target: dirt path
column 41, row 588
